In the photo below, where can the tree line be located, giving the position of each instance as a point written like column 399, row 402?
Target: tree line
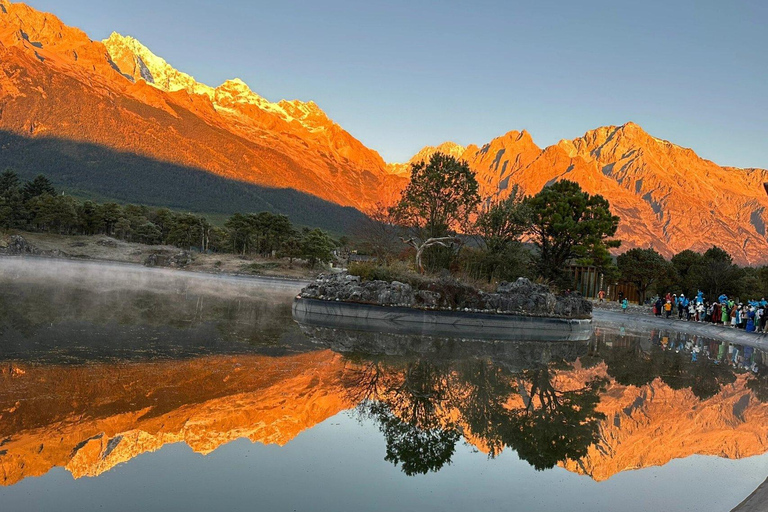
column 36, row 206
column 712, row 272
column 442, row 216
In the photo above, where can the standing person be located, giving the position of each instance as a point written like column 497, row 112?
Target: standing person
column 601, row 295
column 621, row 296
column 668, row 308
column 750, row 327
column 624, row 305
column 725, row 315
column 659, row 306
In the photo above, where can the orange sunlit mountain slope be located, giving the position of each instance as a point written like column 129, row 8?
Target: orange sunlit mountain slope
column 55, row 82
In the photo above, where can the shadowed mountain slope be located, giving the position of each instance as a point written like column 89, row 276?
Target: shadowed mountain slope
column 93, row 170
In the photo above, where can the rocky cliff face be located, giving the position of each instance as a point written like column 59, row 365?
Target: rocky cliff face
column 654, row 424
column 90, row 418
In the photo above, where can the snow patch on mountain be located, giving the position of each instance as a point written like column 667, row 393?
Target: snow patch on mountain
column 136, row 60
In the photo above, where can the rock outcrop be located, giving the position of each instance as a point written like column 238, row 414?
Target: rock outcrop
column 178, row 259
column 521, row 297
column 16, row 245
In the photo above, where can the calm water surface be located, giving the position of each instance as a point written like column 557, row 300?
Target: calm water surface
column 126, row 389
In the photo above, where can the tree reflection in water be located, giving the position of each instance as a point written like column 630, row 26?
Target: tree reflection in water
column 539, row 399
column 424, row 405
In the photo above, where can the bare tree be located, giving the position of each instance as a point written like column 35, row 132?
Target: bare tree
column 444, row 241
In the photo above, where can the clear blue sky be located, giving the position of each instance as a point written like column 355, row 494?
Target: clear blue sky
column 403, row 74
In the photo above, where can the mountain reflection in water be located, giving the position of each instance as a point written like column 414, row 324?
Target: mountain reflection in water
column 92, row 379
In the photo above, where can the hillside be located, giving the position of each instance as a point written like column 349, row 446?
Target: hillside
column 57, row 84
column 115, row 120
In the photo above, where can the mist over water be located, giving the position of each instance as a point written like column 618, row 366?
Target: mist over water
column 106, row 277
column 156, row 389
column 58, row 311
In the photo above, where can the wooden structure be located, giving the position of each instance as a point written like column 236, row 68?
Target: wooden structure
column 588, row 281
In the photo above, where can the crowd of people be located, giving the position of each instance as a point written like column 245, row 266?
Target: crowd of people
column 750, row 316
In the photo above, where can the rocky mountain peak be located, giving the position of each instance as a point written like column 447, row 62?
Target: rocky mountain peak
column 137, row 62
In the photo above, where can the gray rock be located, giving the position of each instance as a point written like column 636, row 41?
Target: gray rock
column 521, row 297
column 17, row 245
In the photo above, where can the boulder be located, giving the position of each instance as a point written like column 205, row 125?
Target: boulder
column 165, row 259
column 17, row 245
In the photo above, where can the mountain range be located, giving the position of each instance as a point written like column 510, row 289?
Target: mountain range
column 111, row 119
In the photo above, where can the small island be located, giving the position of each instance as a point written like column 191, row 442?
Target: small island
column 518, row 311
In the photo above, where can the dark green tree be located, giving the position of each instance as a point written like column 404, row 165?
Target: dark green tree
column 642, row 268
column 568, row 223
column 717, row 274
column 687, row 265
column 53, row 214
column 39, row 186
column 440, row 197
column 292, row 248
column 12, row 210
column 109, row 214
column 317, row 246
column 147, row 233
column 499, row 228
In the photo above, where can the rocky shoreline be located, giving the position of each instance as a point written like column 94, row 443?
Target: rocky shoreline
column 521, row 297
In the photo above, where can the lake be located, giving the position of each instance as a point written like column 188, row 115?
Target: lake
column 124, row 388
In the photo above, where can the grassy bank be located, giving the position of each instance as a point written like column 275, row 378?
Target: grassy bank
column 103, row 248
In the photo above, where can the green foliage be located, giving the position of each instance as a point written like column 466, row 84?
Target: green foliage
column 12, row 209
column 262, row 233
column 687, row 265
column 499, row 228
column 568, row 223
column 643, row 268
column 718, row 274
column 100, row 173
column 439, row 198
column 39, row 186
column 372, row 271
column 489, row 266
column 317, row 247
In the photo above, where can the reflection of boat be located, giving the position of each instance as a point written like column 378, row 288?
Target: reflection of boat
column 454, row 324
